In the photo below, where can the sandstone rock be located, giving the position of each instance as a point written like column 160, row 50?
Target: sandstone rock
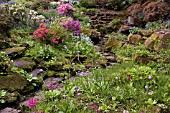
column 124, row 29
column 25, row 64
column 163, row 42
column 135, row 38
column 158, row 41
column 53, row 83
column 145, row 33
column 149, row 43
column 15, row 50
column 112, row 58
column 10, row 110
column 35, row 72
column 112, row 43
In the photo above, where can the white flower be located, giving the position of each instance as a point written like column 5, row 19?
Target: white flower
column 125, row 111
column 150, row 93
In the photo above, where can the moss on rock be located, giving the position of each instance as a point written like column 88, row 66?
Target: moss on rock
column 14, row 82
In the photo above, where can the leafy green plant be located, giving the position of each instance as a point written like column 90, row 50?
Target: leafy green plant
column 134, row 30
column 2, row 96
column 40, row 4
column 154, row 25
column 6, row 21
column 115, row 23
column 144, row 53
column 89, row 3
column 5, row 62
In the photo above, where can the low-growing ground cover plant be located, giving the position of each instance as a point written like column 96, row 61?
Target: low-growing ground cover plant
column 130, row 87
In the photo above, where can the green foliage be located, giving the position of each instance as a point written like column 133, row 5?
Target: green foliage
column 110, row 88
column 114, row 24
column 154, row 25
column 2, row 96
column 88, row 3
column 134, row 30
column 118, row 4
column 5, row 21
column 144, row 53
column 4, row 63
column 26, row 3
column 40, row 4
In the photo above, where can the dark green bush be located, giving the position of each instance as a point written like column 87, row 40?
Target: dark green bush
column 5, row 21
column 40, row 4
column 88, row 3
column 118, row 4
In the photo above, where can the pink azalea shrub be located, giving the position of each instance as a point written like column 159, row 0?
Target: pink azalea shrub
column 41, row 33
column 64, row 9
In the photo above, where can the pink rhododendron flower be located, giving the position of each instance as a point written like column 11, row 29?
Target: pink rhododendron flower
column 63, row 9
column 32, row 103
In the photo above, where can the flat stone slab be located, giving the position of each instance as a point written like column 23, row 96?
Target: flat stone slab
column 10, row 110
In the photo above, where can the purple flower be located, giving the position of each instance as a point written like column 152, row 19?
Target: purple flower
column 41, row 70
column 146, row 87
column 76, row 88
column 73, row 64
column 73, row 26
column 78, row 94
column 150, row 77
column 78, row 52
column 10, row 3
column 51, row 86
column 95, row 105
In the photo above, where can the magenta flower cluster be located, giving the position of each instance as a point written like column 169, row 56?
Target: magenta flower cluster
column 73, row 26
column 32, row 103
column 64, row 9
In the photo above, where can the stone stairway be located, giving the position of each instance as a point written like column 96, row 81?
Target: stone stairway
column 101, row 19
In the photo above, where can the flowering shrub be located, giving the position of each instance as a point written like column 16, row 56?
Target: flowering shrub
column 73, row 26
column 40, row 33
column 57, row 33
column 64, row 9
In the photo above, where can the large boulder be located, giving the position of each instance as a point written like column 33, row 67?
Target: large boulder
column 145, row 33
column 135, row 38
column 24, row 63
column 112, row 42
column 159, row 40
column 13, row 82
column 14, row 51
